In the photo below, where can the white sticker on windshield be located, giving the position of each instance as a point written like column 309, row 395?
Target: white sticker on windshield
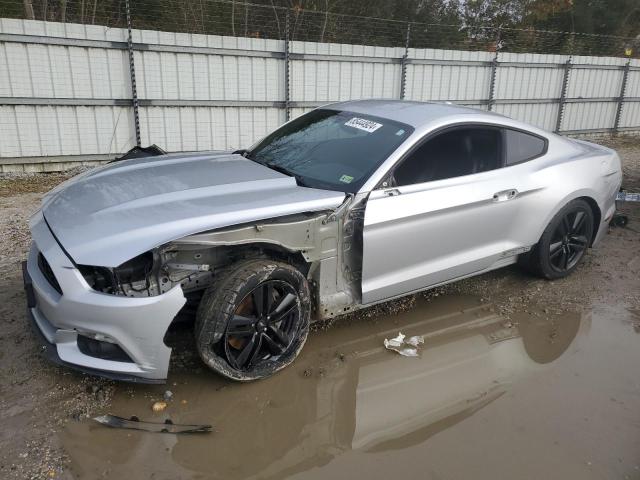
column 362, row 124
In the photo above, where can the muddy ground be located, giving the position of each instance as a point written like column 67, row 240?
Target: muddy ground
column 518, row 378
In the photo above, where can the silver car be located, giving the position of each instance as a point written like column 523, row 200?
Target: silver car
column 349, row 205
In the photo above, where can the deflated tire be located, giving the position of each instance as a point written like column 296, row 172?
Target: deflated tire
column 253, row 320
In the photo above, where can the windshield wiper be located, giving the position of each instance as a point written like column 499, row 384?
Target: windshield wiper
column 286, row 171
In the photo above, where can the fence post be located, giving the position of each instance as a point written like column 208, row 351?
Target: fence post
column 132, row 73
column 623, row 87
column 494, row 71
column 563, row 94
column 405, row 57
column 287, row 112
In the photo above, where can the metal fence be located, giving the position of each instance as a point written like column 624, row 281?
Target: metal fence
column 87, row 82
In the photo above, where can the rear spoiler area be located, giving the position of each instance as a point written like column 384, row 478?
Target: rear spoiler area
column 592, row 148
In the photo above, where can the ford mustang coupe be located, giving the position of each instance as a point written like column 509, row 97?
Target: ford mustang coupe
column 349, row 205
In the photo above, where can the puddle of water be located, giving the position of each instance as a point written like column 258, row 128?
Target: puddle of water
column 539, row 396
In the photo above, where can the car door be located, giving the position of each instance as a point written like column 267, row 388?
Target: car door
column 442, row 214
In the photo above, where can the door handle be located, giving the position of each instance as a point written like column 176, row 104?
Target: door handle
column 392, row 192
column 505, row 195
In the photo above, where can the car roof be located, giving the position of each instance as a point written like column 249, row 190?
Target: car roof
column 415, row 114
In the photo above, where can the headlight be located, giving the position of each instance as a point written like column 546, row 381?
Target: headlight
column 99, row 278
column 135, row 270
column 108, row 280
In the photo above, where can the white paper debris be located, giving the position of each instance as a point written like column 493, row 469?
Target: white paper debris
column 415, row 341
column 406, row 348
column 395, row 342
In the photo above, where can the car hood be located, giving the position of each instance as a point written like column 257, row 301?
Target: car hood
column 123, row 209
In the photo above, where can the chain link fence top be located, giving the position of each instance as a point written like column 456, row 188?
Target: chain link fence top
column 240, row 19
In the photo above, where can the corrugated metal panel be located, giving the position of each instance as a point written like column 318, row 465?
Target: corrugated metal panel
column 63, row 130
column 542, row 115
column 185, row 76
column 630, row 114
column 448, row 82
column 590, row 115
column 64, row 30
column 200, row 40
column 531, row 81
column 51, row 71
column 204, row 128
column 532, row 58
column 593, row 82
column 633, row 84
column 328, row 81
column 191, row 76
column 253, row 70
column 54, row 71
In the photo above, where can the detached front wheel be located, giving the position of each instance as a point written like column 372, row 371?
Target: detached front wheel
column 254, row 320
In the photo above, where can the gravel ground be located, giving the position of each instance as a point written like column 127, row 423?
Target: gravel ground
column 37, row 399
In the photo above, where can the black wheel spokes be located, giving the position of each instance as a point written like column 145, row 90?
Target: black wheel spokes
column 565, row 225
column 274, row 347
column 240, row 326
column 569, row 241
column 269, row 331
column 578, row 222
column 283, row 309
column 262, row 298
column 555, row 249
column 245, row 353
column 278, row 335
column 578, row 242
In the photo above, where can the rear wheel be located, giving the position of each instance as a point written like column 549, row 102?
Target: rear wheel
column 254, row 320
column 564, row 242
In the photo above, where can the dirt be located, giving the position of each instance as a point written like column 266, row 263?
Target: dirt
column 518, row 378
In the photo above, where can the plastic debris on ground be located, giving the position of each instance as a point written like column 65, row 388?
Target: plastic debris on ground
column 134, row 423
column 407, row 347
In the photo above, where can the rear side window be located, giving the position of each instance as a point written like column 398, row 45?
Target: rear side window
column 454, row 153
column 521, row 146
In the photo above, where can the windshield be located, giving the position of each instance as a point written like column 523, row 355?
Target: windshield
column 331, row 149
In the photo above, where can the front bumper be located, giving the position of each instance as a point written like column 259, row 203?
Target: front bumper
column 136, row 325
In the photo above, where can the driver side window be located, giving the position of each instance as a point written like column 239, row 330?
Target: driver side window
column 453, row 153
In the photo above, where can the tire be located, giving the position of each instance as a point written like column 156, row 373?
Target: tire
column 564, row 242
column 253, row 320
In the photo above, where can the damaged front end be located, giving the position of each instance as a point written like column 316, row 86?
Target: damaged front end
column 81, row 327
column 325, row 246
column 149, row 274
column 112, row 321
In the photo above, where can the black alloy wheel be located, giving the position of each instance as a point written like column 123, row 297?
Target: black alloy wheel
column 263, row 325
column 569, row 241
column 253, row 320
column 564, row 242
